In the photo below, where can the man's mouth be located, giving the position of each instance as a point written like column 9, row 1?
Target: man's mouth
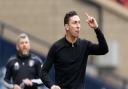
column 77, row 31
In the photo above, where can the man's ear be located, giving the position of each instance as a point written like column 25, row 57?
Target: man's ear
column 66, row 27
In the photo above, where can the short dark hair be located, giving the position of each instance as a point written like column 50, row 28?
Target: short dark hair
column 68, row 15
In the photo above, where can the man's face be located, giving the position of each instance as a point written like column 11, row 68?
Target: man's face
column 74, row 26
column 23, row 46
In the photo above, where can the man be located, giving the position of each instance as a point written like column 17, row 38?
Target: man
column 22, row 69
column 69, row 54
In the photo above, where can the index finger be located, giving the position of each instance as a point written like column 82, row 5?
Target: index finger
column 87, row 14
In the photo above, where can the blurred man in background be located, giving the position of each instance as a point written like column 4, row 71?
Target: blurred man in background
column 22, row 69
column 69, row 54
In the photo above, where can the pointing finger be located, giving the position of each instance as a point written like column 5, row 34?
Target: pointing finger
column 87, row 15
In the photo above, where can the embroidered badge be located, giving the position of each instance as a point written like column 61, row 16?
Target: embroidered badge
column 16, row 66
column 31, row 63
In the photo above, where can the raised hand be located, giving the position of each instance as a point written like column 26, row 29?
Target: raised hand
column 91, row 21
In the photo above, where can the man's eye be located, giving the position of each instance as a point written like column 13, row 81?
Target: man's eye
column 21, row 42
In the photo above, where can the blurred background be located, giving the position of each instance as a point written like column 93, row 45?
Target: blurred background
column 42, row 20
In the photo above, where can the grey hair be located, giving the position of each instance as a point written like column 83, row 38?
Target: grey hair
column 22, row 35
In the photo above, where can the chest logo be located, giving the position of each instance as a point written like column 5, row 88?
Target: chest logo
column 16, row 66
column 31, row 63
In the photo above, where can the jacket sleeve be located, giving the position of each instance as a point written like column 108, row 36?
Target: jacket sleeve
column 8, row 74
column 101, row 48
column 37, row 81
column 46, row 68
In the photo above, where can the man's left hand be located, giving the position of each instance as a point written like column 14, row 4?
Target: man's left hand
column 27, row 82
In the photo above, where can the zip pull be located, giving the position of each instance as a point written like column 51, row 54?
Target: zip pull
column 72, row 45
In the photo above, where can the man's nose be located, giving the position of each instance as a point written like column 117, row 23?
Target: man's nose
column 78, row 24
column 24, row 44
